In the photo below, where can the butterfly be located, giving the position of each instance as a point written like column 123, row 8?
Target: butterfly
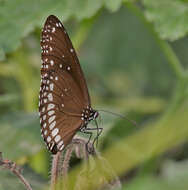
column 64, row 101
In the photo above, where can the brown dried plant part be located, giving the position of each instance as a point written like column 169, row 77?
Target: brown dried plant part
column 95, row 167
column 11, row 166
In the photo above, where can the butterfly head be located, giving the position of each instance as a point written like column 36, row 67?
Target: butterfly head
column 89, row 114
column 93, row 115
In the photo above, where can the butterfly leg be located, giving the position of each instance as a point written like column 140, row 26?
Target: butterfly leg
column 88, row 130
column 99, row 131
column 84, row 130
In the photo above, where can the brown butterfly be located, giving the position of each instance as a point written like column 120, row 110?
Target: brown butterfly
column 64, row 102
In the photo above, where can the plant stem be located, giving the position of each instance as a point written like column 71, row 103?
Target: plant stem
column 173, row 61
column 178, row 98
column 22, row 179
column 54, row 170
column 168, row 52
column 7, row 164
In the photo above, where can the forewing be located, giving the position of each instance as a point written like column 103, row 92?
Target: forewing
column 58, row 88
column 58, row 53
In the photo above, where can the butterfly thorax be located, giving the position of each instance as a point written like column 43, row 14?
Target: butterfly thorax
column 89, row 114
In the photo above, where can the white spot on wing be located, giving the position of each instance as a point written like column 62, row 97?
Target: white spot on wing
column 53, row 29
column 51, row 112
column 51, row 119
column 51, row 62
column 57, row 138
column 51, row 86
column 48, row 139
column 50, row 106
column 59, row 144
column 71, row 50
column 55, row 131
column 50, row 97
column 45, row 132
column 68, row 68
column 61, row 148
column 52, row 125
column 44, row 117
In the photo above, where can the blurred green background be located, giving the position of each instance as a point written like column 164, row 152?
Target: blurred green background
column 134, row 57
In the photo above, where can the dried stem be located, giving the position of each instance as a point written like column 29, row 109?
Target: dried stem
column 67, row 157
column 7, row 164
column 54, row 170
column 81, row 144
column 60, row 167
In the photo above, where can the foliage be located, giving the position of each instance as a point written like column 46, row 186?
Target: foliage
column 130, row 67
column 170, row 17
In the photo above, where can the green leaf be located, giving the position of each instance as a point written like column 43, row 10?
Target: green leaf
column 30, row 14
column 20, row 135
column 172, row 177
column 112, row 5
column 8, row 99
column 151, row 141
column 2, row 54
column 84, row 8
column 170, row 17
column 112, row 47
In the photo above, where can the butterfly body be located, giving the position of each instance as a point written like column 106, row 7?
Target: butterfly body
column 64, row 102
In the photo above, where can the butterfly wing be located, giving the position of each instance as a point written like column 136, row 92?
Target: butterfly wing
column 63, row 91
column 56, row 46
column 60, row 131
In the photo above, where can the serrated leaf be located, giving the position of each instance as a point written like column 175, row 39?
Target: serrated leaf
column 170, row 17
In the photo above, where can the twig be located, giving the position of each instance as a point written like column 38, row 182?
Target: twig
column 54, row 170
column 81, row 144
column 66, row 160
column 8, row 164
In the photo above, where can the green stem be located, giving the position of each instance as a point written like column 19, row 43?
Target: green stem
column 24, row 74
column 165, row 47
column 178, row 98
column 173, row 61
column 172, row 58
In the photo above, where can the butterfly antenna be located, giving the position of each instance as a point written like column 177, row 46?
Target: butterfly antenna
column 122, row 116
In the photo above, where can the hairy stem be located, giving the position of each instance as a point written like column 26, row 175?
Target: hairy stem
column 67, row 157
column 54, row 170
